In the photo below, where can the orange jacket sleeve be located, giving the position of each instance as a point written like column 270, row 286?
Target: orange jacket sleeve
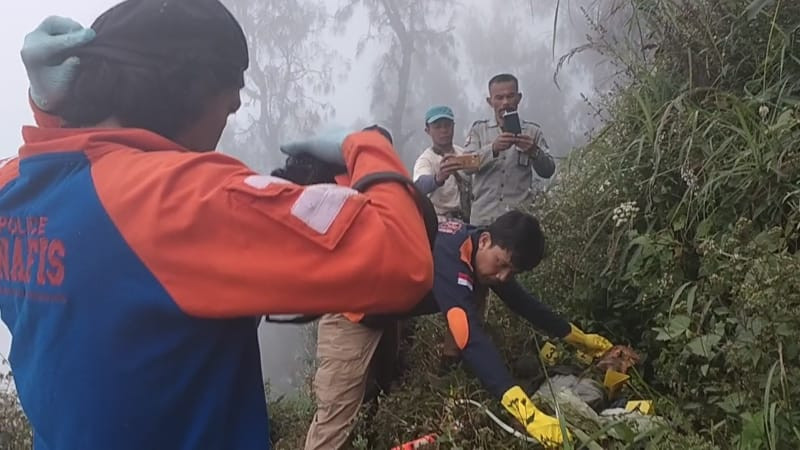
column 226, row 242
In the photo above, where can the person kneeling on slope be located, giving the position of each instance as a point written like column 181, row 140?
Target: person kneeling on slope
column 467, row 261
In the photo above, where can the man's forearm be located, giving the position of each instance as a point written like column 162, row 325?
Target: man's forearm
column 426, row 184
column 532, row 309
column 484, row 360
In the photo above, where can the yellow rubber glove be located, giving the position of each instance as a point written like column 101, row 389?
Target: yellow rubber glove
column 593, row 344
column 539, row 425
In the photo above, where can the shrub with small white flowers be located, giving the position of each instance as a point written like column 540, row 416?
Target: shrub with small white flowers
column 624, row 213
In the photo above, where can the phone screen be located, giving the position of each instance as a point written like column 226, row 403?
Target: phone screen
column 511, row 123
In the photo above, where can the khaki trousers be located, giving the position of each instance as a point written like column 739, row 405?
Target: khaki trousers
column 344, row 352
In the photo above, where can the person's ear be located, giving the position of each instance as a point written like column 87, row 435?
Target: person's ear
column 489, row 101
column 484, row 240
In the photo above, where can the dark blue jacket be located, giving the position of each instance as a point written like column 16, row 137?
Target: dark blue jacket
column 454, row 289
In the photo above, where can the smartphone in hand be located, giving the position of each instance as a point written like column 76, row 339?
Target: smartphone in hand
column 511, row 123
column 466, row 162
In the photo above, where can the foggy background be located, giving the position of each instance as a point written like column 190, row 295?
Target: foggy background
column 358, row 62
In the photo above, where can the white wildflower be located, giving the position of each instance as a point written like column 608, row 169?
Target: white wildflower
column 763, row 111
column 624, row 213
column 689, row 177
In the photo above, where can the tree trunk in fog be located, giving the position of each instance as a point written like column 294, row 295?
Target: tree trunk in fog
column 290, row 70
column 404, row 73
column 398, row 111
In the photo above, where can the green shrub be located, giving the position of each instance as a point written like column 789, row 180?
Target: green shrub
column 676, row 228
column 15, row 432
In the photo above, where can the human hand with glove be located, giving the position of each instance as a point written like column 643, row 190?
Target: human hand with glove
column 542, row 427
column 593, row 344
column 48, row 62
column 327, row 145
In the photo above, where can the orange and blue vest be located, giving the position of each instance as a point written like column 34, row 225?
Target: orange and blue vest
column 132, row 274
column 454, row 291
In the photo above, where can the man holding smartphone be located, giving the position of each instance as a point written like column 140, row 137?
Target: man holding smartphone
column 510, row 150
column 441, row 171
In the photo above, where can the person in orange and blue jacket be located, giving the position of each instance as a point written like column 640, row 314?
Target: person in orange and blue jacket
column 135, row 261
column 467, row 260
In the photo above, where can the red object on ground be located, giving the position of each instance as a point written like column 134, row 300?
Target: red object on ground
column 417, row 443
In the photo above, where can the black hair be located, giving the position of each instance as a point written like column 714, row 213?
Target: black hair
column 504, row 78
column 520, row 234
column 163, row 99
column 155, row 64
column 381, row 130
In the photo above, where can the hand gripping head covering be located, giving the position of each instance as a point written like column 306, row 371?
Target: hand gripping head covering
column 156, row 33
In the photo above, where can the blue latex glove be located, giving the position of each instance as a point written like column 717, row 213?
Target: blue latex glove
column 326, row 146
column 45, row 54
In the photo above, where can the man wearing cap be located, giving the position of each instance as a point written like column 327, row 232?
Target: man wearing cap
column 449, row 190
column 435, row 175
column 138, row 260
column 505, row 179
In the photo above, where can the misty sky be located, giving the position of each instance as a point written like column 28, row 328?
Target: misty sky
column 349, row 99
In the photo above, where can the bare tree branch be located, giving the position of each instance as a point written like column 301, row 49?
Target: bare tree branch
column 288, row 59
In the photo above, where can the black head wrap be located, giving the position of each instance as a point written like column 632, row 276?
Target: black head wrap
column 154, row 33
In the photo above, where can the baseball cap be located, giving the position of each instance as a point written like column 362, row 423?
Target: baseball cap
column 439, row 112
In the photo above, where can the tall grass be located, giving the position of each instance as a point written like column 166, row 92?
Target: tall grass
column 704, row 140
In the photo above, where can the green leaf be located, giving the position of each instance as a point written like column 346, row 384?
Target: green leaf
column 752, row 436
column 690, row 299
column 623, row 432
column 677, row 295
column 745, row 335
column 732, row 403
column 785, row 120
column 634, row 264
column 757, row 326
column 703, row 345
column 662, row 334
column 783, row 329
column 643, row 240
column 704, row 228
column 755, row 355
column 679, row 221
column 676, row 326
column 768, row 241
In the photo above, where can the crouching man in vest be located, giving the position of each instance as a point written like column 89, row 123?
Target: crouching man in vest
column 467, row 261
